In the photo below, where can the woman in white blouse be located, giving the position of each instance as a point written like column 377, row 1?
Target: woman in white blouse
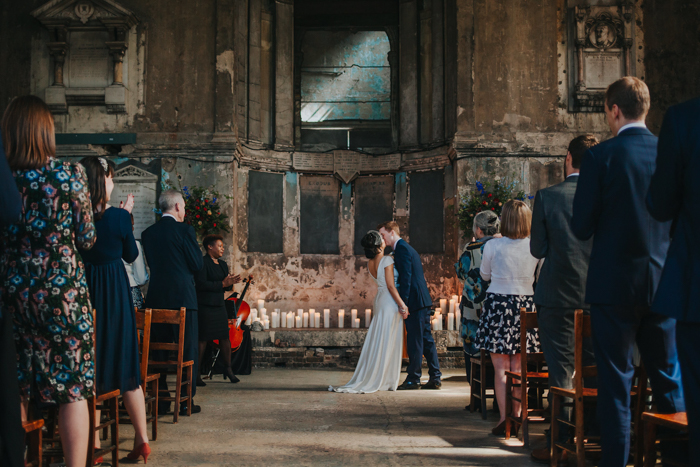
column 138, row 274
column 510, row 267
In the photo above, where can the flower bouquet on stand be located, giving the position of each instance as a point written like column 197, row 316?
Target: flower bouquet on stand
column 202, row 211
column 488, row 196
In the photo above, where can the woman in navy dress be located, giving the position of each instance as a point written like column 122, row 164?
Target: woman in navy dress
column 117, row 355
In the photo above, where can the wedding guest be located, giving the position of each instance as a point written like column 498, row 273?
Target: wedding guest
column 11, row 433
column 137, row 272
column 173, row 254
column 43, row 278
column 486, row 225
column 211, row 282
column 628, row 254
column 673, row 195
column 117, row 348
column 562, row 281
column 510, row 267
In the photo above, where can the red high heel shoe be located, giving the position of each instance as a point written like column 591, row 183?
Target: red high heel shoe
column 143, row 450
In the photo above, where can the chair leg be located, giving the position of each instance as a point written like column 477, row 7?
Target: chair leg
column 509, row 404
column 580, row 432
column 91, row 435
column 649, row 444
column 114, row 413
column 154, row 409
column 471, row 388
column 523, row 414
column 190, row 371
column 178, row 390
column 555, row 451
column 482, row 385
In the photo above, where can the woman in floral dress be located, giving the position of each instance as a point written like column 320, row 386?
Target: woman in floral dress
column 42, row 276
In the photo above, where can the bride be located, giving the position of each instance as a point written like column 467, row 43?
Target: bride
column 379, row 366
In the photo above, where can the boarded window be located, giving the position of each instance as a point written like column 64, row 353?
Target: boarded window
column 374, row 198
column 426, row 222
column 320, row 215
column 265, row 231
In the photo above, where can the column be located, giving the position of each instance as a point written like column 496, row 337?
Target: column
column 284, row 75
column 224, row 104
column 408, row 73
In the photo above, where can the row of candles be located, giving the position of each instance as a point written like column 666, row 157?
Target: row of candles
column 312, row 318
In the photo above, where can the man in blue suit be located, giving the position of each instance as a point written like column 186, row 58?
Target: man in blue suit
column 674, row 195
column 629, row 249
column 174, row 256
column 414, row 293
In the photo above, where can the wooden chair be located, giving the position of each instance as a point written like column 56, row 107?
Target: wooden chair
column 641, row 402
column 677, row 421
column 34, row 435
column 174, row 317
column 535, row 379
column 149, row 382
column 579, row 394
column 481, row 380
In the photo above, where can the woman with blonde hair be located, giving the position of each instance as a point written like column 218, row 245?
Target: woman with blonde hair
column 43, row 277
column 510, row 267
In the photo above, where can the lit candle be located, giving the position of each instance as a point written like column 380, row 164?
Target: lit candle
column 317, row 321
column 261, row 304
column 453, row 303
column 456, row 299
column 290, row 320
column 298, row 322
column 357, row 322
column 458, row 318
column 443, row 303
column 306, row 320
column 327, row 318
column 283, row 318
column 341, row 318
column 433, row 324
column 450, row 321
column 249, row 320
column 254, row 313
column 368, row 317
column 300, row 312
column 267, row 324
column 353, row 312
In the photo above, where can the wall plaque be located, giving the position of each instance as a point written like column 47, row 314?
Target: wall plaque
column 602, row 69
column 142, row 184
column 374, row 204
column 312, row 162
column 390, row 163
column 89, row 59
column 319, row 215
column 347, row 165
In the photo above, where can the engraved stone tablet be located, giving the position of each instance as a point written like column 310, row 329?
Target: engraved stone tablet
column 390, row 163
column 88, row 59
column 602, row 69
column 311, row 162
column 142, row 184
column 319, row 216
column 347, row 165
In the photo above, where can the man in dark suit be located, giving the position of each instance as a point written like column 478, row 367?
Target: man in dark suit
column 562, row 281
column 674, row 194
column 414, row 293
column 629, row 249
column 174, row 256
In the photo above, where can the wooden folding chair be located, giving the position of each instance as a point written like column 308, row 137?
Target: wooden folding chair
column 535, row 379
column 149, row 382
column 481, row 379
column 33, row 435
column 579, row 394
column 676, row 421
column 174, row 317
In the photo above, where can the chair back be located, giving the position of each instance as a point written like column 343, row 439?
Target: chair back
column 162, row 316
column 143, row 327
column 582, row 330
column 528, row 320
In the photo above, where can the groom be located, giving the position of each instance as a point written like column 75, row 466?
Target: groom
column 414, row 293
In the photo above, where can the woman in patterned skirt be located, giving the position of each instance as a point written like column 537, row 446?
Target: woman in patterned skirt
column 42, row 275
column 510, row 267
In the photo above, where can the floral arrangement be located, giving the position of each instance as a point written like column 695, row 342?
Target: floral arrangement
column 202, row 211
column 489, row 196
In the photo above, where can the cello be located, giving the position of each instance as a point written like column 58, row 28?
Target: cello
column 241, row 313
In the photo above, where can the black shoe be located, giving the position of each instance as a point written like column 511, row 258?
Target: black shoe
column 408, row 385
column 164, row 408
column 200, row 383
column 432, row 385
column 195, row 409
column 229, row 374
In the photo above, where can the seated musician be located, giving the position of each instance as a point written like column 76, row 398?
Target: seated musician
column 211, row 282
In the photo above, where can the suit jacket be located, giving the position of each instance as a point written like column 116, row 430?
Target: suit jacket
column 412, row 286
column 562, row 280
column 629, row 247
column 210, row 290
column 174, row 257
column 674, row 194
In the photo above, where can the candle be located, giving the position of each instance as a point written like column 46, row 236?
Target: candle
column 312, row 317
column 298, row 322
column 456, row 299
column 353, row 313
column 306, row 320
column 433, row 324
column 254, row 313
column 450, row 321
column 341, row 318
column 443, row 303
column 453, row 303
column 267, row 324
column 458, row 318
column 283, row 319
column 300, row 312
column 261, row 304
column 317, row 320
column 368, row 317
column 327, row 318
column 357, row 322
column 290, row 320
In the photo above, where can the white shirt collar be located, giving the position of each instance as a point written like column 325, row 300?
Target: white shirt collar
column 168, row 215
column 396, row 243
column 632, row 125
column 575, row 174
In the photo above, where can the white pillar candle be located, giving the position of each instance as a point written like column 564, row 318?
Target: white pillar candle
column 453, row 304
column 261, row 304
column 341, row 318
column 450, row 321
column 297, row 324
column 433, row 324
column 290, row 320
column 458, row 318
column 456, row 299
column 368, row 317
column 283, row 319
column 254, row 313
column 353, row 314
column 327, row 318
column 443, row 303
column 300, row 312
column 306, row 319
column 317, row 320
column 267, row 324
column 357, row 322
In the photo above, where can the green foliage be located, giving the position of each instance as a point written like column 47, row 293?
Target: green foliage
column 488, row 196
column 202, row 211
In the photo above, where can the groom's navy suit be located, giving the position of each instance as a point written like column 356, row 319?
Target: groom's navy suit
column 629, row 249
column 414, row 293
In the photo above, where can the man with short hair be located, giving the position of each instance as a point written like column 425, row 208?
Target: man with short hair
column 174, row 256
column 414, row 293
column 629, row 250
column 562, row 281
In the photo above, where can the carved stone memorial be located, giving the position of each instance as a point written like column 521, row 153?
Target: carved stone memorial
column 601, row 52
column 135, row 179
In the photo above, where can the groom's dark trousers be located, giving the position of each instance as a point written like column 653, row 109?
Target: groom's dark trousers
column 414, row 292
column 628, row 253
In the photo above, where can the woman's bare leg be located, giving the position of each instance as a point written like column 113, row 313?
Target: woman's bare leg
column 74, row 428
column 135, row 404
column 501, row 364
column 515, row 367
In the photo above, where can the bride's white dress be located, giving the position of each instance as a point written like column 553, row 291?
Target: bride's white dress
column 379, row 366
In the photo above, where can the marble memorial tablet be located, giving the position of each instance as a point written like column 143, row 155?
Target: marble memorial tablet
column 88, row 59
column 142, row 184
column 308, row 161
column 602, row 69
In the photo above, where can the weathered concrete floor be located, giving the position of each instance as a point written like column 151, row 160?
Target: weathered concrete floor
column 287, row 417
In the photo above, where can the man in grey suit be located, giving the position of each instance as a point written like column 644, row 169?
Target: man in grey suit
column 562, row 282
